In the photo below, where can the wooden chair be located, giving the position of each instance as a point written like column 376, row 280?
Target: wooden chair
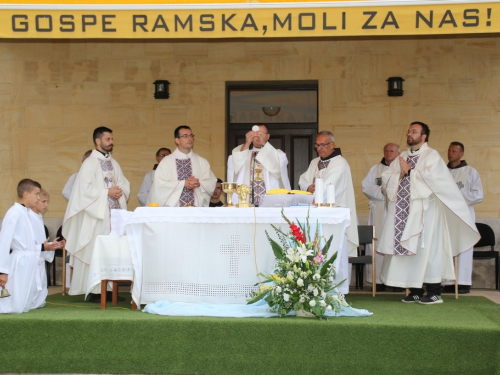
column 366, row 234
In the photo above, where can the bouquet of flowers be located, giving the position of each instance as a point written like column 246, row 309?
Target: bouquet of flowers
column 303, row 275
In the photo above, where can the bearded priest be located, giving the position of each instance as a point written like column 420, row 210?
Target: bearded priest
column 427, row 223
column 99, row 187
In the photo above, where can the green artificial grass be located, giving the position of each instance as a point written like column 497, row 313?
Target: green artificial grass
column 69, row 336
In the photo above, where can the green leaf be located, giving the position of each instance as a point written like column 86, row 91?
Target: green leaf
column 256, row 298
column 327, row 246
column 278, row 251
column 324, row 269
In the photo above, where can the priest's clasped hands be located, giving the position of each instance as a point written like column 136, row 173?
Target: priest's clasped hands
column 115, row 192
column 191, row 183
column 405, row 167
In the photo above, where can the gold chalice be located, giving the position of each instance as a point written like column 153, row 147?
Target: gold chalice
column 258, row 172
column 229, row 188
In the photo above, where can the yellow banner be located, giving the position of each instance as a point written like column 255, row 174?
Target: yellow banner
column 247, row 21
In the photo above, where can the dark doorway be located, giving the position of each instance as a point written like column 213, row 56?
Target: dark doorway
column 293, row 129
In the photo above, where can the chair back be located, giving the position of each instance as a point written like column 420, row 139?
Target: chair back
column 366, row 235
column 487, row 236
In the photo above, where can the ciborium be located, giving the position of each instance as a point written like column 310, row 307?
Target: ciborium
column 229, row 188
column 243, row 191
column 4, row 293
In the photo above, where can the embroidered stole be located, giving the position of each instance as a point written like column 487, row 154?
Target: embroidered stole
column 403, row 208
column 258, row 186
column 109, row 181
column 184, row 171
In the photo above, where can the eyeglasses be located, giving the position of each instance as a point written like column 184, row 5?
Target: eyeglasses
column 163, row 155
column 186, row 136
column 321, row 145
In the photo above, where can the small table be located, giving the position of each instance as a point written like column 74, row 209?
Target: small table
column 111, row 262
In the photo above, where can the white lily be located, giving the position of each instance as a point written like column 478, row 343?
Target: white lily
column 300, row 282
column 304, row 253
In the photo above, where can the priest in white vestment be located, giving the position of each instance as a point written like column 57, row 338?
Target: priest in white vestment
column 66, row 192
column 334, row 169
column 469, row 183
column 261, row 168
column 372, row 188
column 99, row 187
column 183, row 178
column 47, row 247
column 18, row 269
column 147, row 182
column 428, row 221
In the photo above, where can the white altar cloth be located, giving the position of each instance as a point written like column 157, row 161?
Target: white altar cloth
column 207, row 255
column 110, row 261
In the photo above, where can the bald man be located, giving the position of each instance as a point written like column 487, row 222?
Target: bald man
column 372, row 188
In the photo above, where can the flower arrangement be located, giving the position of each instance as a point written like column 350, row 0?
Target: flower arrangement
column 303, row 276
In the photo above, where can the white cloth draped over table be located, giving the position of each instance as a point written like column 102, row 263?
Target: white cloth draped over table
column 205, row 255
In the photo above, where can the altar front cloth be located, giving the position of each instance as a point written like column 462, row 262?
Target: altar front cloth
column 214, row 255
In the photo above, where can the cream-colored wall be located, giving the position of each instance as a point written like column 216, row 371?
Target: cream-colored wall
column 53, row 94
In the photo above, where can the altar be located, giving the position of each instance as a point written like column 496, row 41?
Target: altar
column 212, row 255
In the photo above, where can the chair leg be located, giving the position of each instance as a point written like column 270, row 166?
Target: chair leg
column 456, row 277
column 496, row 273
column 64, row 271
column 54, row 271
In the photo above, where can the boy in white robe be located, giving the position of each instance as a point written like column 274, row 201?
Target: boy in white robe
column 99, row 187
column 183, row 178
column 334, row 169
column 243, row 162
column 47, row 248
column 147, row 182
column 18, row 269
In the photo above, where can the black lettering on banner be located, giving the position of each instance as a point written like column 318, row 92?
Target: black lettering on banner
column 39, row 19
column 366, row 25
column 468, row 15
column 88, row 20
column 226, row 22
column 277, row 20
column 207, row 19
column 105, row 23
column 189, row 21
column 325, row 27
column 67, row 20
column 428, row 22
column 249, row 22
column 393, row 21
column 139, row 21
column 160, row 24
column 15, row 19
column 312, row 17
column 450, row 20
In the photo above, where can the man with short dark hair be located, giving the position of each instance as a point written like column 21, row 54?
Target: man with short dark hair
column 147, row 182
column 428, row 221
column 99, row 187
column 469, row 184
column 261, row 168
column 183, row 178
column 215, row 200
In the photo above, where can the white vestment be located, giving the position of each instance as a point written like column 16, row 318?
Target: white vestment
column 438, row 227
column 469, row 183
column 274, row 167
column 338, row 173
column 167, row 189
column 39, row 231
column 147, row 182
column 88, row 213
column 69, row 186
column 21, row 265
column 372, row 188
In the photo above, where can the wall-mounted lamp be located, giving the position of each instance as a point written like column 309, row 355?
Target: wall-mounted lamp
column 161, row 89
column 271, row 111
column 395, row 86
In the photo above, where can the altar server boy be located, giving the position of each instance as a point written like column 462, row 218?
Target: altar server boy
column 47, row 248
column 18, row 269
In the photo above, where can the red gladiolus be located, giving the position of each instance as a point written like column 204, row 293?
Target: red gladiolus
column 296, row 232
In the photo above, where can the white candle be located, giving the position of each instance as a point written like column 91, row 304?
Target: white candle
column 319, row 191
column 330, row 194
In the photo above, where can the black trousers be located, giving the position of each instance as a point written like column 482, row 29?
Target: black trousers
column 432, row 289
